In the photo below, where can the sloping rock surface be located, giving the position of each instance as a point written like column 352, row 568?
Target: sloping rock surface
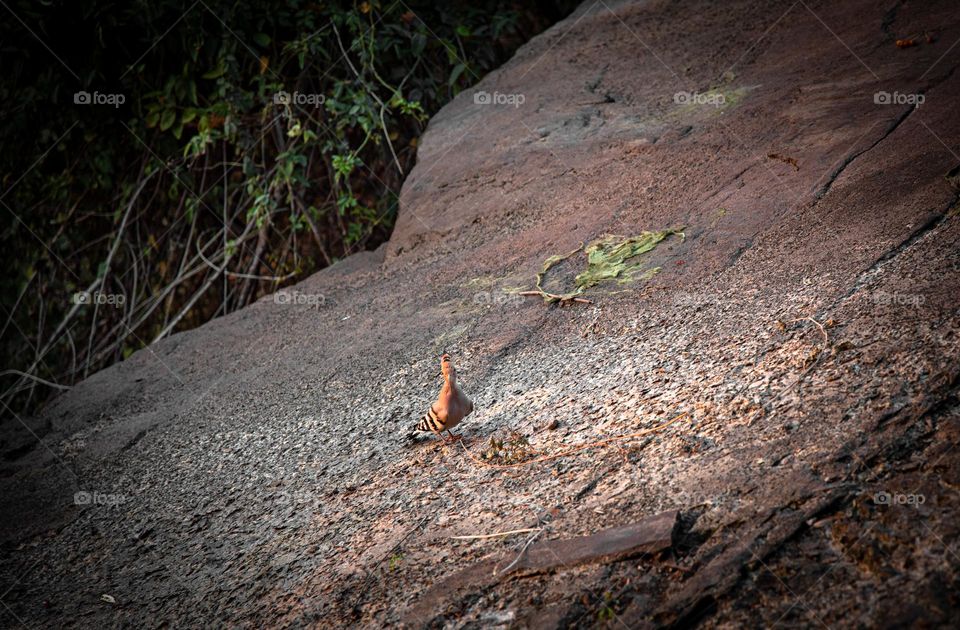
column 257, row 472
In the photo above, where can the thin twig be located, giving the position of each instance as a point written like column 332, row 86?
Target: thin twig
column 522, row 551
column 558, row 298
column 13, row 308
column 203, row 289
column 497, row 535
column 109, row 260
column 34, row 378
column 372, row 92
column 248, row 276
column 41, row 353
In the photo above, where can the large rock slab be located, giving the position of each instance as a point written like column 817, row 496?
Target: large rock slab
column 256, row 471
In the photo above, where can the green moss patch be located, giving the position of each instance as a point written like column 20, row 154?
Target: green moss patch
column 608, row 258
column 611, row 257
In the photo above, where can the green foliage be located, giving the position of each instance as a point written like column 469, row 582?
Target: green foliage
column 242, row 145
column 513, row 449
column 395, row 561
column 607, row 610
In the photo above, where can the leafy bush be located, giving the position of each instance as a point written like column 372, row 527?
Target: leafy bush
column 170, row 162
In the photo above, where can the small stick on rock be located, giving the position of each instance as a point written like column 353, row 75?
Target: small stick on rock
column 563, row 299
column 497, row 535
column 522, row 551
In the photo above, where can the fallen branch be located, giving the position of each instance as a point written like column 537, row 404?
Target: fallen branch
column 648, row 537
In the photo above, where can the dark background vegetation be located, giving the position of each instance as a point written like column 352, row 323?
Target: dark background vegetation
column 203, row 191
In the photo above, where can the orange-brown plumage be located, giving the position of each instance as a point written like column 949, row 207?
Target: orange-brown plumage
column 451, row 406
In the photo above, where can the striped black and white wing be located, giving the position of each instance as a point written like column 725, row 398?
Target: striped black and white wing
column 431, row 421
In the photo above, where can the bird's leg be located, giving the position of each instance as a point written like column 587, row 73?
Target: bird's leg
column 453, row 438
column 442, row 439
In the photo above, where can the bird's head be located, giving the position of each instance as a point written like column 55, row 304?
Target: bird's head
column 446, row 367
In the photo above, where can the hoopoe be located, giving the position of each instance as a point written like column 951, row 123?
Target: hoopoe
column 451, row 407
